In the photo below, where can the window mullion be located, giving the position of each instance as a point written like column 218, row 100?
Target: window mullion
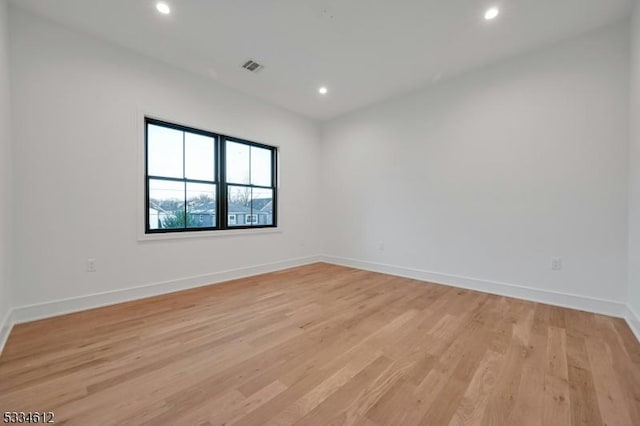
column 216, row 164
column 222, row 161
column 250, row 189
column 184, row 176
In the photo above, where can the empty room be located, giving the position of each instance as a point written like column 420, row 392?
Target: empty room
column 320, row 212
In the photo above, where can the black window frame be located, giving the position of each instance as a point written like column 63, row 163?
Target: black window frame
column 222, row 215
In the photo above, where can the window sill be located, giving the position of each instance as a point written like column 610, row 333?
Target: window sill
column 207, row 234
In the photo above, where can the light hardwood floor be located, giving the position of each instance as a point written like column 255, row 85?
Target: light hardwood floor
column 321, row 345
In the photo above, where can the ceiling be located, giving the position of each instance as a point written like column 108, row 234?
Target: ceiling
column 362, row 50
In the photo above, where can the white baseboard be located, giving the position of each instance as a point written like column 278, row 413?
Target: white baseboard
column 38, row 311
column 5, row 328
column 633, row 319
column 565, row 300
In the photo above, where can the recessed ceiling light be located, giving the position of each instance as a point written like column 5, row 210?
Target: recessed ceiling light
column 323, row 90
column 491, row 13
column 163, row 8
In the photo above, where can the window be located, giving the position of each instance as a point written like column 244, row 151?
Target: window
column 197, row 180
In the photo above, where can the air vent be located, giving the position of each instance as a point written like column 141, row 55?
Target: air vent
column 252, row 66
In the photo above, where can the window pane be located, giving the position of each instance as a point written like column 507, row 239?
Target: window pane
column 164, row 147
column 238, row 166
column 262, row 206
column 239, row 205
column 201, row 205
column 199, row 157
column 166, row 204
column 260, row 166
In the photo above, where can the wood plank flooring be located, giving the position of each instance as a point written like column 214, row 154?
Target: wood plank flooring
column 325, row 345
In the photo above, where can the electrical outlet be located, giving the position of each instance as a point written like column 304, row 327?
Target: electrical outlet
column 556, row 264
column 91, row 265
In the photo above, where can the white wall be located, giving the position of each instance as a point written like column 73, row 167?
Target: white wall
column 5, row 174
column 76, row 112
column 634, row 167
column 492, row 174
